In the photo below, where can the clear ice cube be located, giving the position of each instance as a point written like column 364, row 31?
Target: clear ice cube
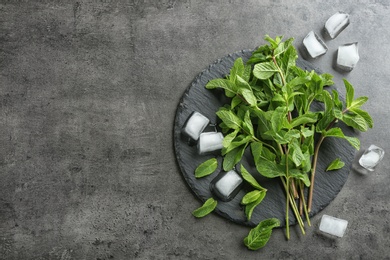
column 194, row 125
column 371, row 157
column 333, row 226
column 226, row 185
column 348, row 56
column 336, row 24
column 314, row 45
column 210, row 142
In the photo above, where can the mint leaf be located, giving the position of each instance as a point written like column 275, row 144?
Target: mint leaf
column 356, row 121
column 269, row 169
column 205, row 209
column 250, row 179
column 251, row 196
column 335, row 165
column 251, row 206
column 337, row 132
column 365, row 115
column 229, row 87
column 350, row 92
column 264, row 70
column 259, row 236
column 206, row 168
column 229, row 118
column 233, row 157
column 237, row 69
column 297, row 174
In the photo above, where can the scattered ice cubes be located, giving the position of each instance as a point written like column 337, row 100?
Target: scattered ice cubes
column 226, row 185
column 194, row 125
column 210, row 142
column 314, row 45
column 336, row 24
column 348, row 56
column 333, row 226
column 371, row 157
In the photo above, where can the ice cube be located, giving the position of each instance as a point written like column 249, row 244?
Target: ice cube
column 333, row 226
column 194, row 125
column 226, row 185
column 336, row 24
column 210, row 142
column 314, row 45
column 371, row 157
column 348, row 56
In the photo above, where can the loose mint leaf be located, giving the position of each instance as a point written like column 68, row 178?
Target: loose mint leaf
column 250, row 179
column 251, row 196
column 335, row 165
column 205, row 209
column 229, row 118
column 251, row 206
column 206, row 168
column 259, row 236
column 229, row 87
column 264, row 70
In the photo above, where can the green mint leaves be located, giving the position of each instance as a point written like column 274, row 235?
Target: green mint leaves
column 259, row 236
column 208, row 207
column 206, row 168
column 335, row 165
column 270, row 113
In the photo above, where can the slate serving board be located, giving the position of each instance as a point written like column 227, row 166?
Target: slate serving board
column 207, row 102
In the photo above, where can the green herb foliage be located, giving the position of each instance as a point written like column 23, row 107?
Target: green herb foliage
column 259, row 236
column 206, row 168
column 208, row 207
column 335, row 165
column 270, row 113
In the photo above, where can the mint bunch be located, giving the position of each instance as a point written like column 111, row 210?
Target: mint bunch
column 271, row 113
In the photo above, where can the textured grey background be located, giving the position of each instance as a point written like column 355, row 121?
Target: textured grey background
column 88, row 94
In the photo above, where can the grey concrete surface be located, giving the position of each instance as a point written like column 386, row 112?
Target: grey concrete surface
column 88, row 93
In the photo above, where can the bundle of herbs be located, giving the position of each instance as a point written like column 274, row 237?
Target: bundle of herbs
column 270, row 113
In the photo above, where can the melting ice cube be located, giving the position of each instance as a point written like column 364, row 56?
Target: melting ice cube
column 336, row 24
column 210, row 142
column 371, row 157
column 314, row 45
column 333, row 226
column 226, row 185
column 348, row 56
column 194, row 125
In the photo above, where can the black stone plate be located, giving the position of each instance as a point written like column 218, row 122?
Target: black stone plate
column 207, row 102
